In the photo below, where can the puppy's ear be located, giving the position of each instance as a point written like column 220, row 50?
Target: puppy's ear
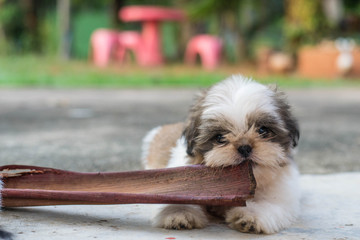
column 293, row 128
column 191, row 130
column 290, row 121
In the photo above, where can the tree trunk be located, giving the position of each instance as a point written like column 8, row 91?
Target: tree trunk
column 63, row 12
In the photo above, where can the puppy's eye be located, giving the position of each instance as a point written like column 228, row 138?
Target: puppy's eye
column 263, row 131
column 220, row 139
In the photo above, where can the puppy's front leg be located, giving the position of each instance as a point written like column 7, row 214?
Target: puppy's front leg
column 181, row 217
column 263, row 216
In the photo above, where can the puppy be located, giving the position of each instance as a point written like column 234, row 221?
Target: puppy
column 237, row 119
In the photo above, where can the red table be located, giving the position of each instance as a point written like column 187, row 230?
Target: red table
column 150, row 53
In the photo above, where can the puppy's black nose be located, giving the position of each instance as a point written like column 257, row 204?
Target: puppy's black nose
column 245, row 150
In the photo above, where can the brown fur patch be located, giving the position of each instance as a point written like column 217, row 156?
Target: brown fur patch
column 162, row 143
column 290, row 121
column 191, row 128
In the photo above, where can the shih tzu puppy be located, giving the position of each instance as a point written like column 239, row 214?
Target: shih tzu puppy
column 235, row 120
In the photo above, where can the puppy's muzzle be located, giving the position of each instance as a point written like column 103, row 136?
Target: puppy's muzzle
column 245, row 150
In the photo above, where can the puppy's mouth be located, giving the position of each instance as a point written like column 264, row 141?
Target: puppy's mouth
column 248, row 159
column 252, row 163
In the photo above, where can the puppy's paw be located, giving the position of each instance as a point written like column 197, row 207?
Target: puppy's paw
column 181, row 217
column 244, row 221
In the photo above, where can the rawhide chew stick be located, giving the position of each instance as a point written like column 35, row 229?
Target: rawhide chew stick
column 195, row 184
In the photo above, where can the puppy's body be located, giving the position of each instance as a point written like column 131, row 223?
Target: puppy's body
column 158, row 144
column 235, row 120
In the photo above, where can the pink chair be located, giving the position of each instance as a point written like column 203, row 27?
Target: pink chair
column 107, row 44
column 103, row 43
column 128, row 40
column 209, row 49
column 151, row 18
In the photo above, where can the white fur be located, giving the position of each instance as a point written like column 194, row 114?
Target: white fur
column 275, row 205
column 178, row 154
column 146, row 145
column 181, row 217
column 224, row 99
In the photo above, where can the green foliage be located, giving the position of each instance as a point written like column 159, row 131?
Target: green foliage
column 305, row 23
column 352, row 6
column 19, row 36
column 236, row 22
column 48, row 32
column 170, row 42
column 205, row 8
column 8, row 14
column 271, row 36
column 11, row 26
column 84, row 23
column 78, row 5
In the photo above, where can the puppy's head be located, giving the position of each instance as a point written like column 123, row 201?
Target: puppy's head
column 239, row 119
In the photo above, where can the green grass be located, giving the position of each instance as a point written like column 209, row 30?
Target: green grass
column 31, row 71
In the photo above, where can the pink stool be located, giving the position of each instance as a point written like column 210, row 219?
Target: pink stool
column 128, row 40
column 209, row 49
column 151, row 17
column 103, row 43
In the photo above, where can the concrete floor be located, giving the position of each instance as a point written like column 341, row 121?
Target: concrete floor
column 101, row 130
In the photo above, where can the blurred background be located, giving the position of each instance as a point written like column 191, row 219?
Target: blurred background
column 271, row 37
column 82, row 81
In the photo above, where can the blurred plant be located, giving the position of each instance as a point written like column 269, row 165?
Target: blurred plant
column 30, row 26
column 218, row 18
column 10, row 26
column 304, row 23
column 352, row 7
column 350, row 24
column 236, row 21
column 20, row 26
column 309, row 21
column 49, row 33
